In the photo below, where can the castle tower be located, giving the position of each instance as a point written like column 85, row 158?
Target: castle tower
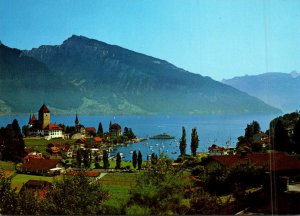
column 44, row 116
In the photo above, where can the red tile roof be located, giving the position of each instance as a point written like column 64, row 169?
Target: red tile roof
column 81, row 140
column 115, row 126
column 28, row 157
column 92, row 129
column 32, row 119
column 53, row 127
column 44, row 109
column 97, row 139
column 40, row 164
column 273, row 161
column 215, row 147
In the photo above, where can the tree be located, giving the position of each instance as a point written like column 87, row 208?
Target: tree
column 87, row 158
column 79, row 157
column 25, row 130
column 12, row 143
column 105, row 160
column 16, row 128
column 139, row 160
column 134, row 159
column 8, row 196
column 128, row 133
column 252, row 129
column 154, row 158
column 160, row 190
column 79, row 195
column 202, row 203
column 280, row 139
column 182, row 145
column 194, row 141
column 118, row 161
column 296, row 137
column 100, row 130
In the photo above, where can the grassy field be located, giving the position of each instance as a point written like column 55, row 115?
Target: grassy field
column 118, row 185
column 19, row 179
column 41, row 144
column 7, row 165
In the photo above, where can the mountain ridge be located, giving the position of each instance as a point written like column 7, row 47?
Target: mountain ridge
column 278, row 89
column 110, row 80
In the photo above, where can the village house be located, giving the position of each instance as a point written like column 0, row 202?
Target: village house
column 217, row 150
column 279, row 162
column 262, row 138
column 41, row 166
column 42, row 126
column 115, row 131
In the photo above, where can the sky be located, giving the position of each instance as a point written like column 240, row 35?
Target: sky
column 216, row 38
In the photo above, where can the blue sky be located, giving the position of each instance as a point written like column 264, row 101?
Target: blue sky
column 216, row 38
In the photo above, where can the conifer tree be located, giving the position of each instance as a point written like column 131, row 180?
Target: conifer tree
column 182, row 145
column 194, row 141
column 105, row 160
column 79, row 157
column 100, row 130
column 118, row 161
column 87, row 158
column 139, row 160
column 134, row 159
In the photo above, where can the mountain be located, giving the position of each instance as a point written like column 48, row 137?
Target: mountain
column 25, row 84
column 92, row 77
column 280, row 90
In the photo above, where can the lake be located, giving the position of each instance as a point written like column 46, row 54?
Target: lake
column 212, row 129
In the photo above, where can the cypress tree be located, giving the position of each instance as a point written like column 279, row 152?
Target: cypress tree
column 79, row 157
column 182, row 146
column 118, row 161
column 134, row 159
column 87, row 158
column 100, row 130
column 194, row 141
column 105, row 160
column 139, row 160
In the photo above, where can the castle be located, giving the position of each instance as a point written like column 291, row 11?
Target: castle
column 42, row 126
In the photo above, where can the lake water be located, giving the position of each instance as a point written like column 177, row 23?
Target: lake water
column 220, row 129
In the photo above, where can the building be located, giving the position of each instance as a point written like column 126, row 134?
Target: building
column 43, row 126
column 115, row 131
column 216, row 150
column 280, row 163
column 40, row 166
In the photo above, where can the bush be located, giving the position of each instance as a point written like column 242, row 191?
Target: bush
column 198, row 171
column 97, row 165
column 202, row 203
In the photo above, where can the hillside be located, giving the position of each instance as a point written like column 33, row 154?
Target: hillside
column 93, row 77
column 25, row 83
column 280, row 90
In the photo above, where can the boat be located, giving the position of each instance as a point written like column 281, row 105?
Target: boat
column 162, row 136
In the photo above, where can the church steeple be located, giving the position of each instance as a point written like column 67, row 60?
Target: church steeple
column 76, row 120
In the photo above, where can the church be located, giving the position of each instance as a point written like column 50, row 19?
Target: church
column 42, row 126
